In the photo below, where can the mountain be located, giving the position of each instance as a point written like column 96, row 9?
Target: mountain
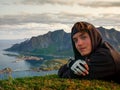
column 59, row 43
column 52, row 43
column 112, row 36
column 5, row 43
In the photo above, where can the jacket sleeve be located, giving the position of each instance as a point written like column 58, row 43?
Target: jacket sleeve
column 65, row 72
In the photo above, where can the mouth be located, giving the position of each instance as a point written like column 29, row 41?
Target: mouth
column 82, row 49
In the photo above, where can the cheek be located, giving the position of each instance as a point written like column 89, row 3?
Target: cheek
column 76, row 46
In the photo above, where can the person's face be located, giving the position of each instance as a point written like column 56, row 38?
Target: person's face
column 82, row 43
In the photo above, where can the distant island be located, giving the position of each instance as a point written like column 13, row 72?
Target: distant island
column 31, row 58
column 47, row 65
column 23, row 57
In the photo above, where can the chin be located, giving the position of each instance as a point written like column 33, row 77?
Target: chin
column 84, row 54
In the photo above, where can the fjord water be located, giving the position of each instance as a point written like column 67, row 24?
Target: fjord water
column 21, row 68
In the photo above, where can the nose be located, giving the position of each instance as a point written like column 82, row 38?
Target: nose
column 79, row 42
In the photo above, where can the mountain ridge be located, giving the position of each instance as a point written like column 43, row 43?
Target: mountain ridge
column 58, row 42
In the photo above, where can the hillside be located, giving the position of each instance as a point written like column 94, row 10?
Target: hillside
column 59, row 43
column 51, row 43
column 112, row 36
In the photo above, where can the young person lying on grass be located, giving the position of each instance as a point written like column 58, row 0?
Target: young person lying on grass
column 93, row 57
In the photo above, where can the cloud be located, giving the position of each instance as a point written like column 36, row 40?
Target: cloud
column 9, row 2
column 90, row 3
column 26, row 18
column 37, row 18
column 61, row 2
column 103, row 4
column 29, row 30
column 61, row 17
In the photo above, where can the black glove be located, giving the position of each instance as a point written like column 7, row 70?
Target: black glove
column 77, row 66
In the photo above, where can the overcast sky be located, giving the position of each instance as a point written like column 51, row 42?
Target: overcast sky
column 26, row 18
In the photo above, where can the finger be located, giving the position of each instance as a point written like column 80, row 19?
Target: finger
column 86, row 66
column 84, row 71
column 78, row 71
column 81, row 67
column 75, row 71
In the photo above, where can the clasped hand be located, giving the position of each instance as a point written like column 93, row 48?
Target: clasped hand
column 80, row 67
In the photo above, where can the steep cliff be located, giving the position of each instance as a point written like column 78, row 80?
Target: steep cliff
column 59, row 42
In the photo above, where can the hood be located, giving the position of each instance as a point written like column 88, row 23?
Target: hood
column 115, row 55
column 94, row 34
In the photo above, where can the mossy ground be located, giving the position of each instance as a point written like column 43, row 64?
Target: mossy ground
column 53, row 82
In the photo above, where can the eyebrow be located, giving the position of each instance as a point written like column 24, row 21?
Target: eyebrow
column 82, row 34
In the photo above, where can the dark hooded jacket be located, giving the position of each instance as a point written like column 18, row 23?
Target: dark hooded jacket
column 103, row 61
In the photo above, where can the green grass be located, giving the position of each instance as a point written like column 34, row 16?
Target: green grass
column 53, row 82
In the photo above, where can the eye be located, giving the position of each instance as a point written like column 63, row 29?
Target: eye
column 75, row 40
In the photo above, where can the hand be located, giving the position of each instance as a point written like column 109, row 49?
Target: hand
column 80, row 67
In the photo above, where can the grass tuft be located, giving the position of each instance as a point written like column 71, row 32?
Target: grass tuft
column 53, row 82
